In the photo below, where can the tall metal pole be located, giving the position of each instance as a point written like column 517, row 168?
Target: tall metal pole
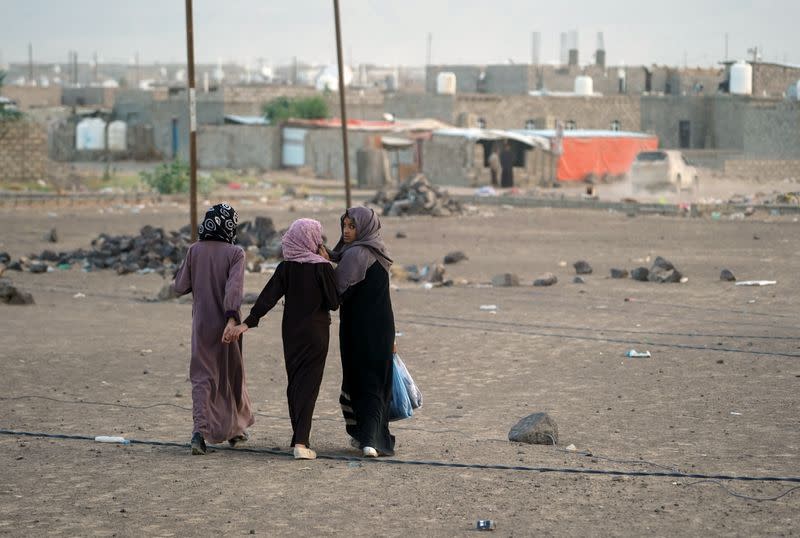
column 192, row 121
column 342, row 104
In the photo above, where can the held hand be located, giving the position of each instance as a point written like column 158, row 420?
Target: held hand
column 233, row 331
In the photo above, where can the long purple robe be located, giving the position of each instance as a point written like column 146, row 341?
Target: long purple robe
column 213, row 272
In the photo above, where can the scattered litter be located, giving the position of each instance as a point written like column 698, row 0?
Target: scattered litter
column 757, row 283
column 79, row 295
column 562, row 263
column 427, row 285
column 684, row 279
column 736, row 414
column 488, row 307
column 716, row 215
column 485, row 525
column 146, row 351
column 633, row 354
column 399, row 334
column 486, row 191
column 111, row 439
column 571, row 448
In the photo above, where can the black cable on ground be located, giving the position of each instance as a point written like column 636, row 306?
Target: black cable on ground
column 411, row 321
column 432, row 463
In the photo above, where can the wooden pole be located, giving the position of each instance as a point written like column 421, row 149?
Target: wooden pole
column 342, row 104
column 192, row 121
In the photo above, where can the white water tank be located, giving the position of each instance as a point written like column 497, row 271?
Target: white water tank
column 793, row 92
column 90, row 134
column 741, row 82
column 446, row 83
column 584, row 85
column 117, row 136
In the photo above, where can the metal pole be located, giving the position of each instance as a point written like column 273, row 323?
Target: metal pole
column 192, row 121
column 342, row 104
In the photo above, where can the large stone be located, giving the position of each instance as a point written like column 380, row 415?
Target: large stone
column 582, row 267
column 535, row 429
column 455, row 257
column 664, row 271
column 619, row 273
column 5, row 258
column 505, row 280
column 727, row 276
column 11, row 295
column 641, row 274
column 547, row 279
column 578, row 280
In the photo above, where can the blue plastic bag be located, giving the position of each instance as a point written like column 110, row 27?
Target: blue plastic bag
column 414, row 394
column 400, row 407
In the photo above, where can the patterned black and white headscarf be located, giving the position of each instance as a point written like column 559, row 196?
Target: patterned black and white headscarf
column 219, row 224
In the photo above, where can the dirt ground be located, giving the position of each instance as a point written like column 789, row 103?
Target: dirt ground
column 719, row 395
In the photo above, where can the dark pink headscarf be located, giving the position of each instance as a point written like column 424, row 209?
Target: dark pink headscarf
column 301, row 242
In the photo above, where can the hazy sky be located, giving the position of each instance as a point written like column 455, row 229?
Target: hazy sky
column 392, row 32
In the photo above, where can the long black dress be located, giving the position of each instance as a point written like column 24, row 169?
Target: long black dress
column 310, row 291
column 366, row 338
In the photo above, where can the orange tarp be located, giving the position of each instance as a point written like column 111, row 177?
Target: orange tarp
column 600, row 156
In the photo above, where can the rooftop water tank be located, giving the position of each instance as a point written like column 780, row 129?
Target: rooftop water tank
column 741, row 82
column 584, row 85
column 117, row 136
column 793, row 92
column 446, row 83
column 90, row 134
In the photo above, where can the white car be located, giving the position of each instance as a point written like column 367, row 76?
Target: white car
column 663, row 169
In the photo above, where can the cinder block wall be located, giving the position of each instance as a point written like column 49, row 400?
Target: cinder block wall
column 23, row 151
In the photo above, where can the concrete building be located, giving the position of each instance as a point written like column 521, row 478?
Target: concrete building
column 619, row 112
column 522, row 79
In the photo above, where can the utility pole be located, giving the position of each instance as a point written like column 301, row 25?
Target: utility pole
column 192, row 121
column 30, row 63
column 342, row 103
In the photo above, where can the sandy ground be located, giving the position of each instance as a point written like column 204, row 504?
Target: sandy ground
column 719, row 395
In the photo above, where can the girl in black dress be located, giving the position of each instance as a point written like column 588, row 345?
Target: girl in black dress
column 305, row 278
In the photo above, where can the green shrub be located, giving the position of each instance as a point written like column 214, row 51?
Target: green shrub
column 174, row 178
column 283, row 108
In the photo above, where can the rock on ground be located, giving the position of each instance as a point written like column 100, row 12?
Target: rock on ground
column 547, row 279
column 535, row 429
column 455, row 257
column 582, row 267
column 11, row 295
column 619, row 273
column 727, row 276
column 641, row 274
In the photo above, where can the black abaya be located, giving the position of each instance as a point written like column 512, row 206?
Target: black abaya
column 366, row 339
column 310, row 291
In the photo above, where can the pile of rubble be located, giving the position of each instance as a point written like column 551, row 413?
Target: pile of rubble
column 417, row 196
column 152, row 251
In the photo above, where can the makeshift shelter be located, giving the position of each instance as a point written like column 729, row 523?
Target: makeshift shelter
column 460, row 156
column 594, row 154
